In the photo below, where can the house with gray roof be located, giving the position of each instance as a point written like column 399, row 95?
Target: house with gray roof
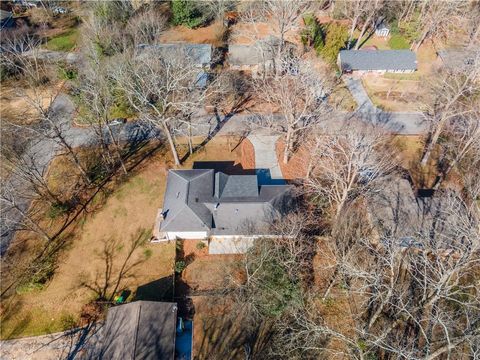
column 138, row 330
column 258, row 57
column 203, row 203
column 459, row 59
column 200, row 55
column 379, row 61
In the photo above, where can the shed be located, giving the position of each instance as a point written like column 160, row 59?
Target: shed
column 382, row 30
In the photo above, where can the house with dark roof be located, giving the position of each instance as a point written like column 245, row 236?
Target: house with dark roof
column 378, row 61
column 257, row 58
column 199, row 54
column 459, row 59
column 202, row 203
column 143, row 330
column 396, row 212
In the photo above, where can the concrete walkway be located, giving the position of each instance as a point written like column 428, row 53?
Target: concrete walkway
column 266, row 162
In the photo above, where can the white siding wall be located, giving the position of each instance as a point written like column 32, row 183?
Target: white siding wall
column 198, row 235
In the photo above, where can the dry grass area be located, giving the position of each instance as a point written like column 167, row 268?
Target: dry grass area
column 394, row 94
column 242, row 33
column 380, row 42
column 409, row 151
column 297, row 166
column 104, row 236
column 212, row 34
column 16, row 106
column 84, row 262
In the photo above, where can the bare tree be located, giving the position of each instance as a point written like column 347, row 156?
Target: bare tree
column 416, row 301
column 464, row 139
column 438, row 17
column 160, row 87
column 282, row 16
column 147, row 27
column 450, row 95
column 298, row 95
column 348, row 163
column 371, row 9
column 25, row 55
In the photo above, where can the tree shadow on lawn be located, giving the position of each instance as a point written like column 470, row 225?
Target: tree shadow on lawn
column 109, row 281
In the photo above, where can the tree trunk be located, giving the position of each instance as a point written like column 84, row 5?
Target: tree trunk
column 352, row 29
column 117, row 150
column 190, row 144
column 362, row 32
column 432, row 142
column 171, row 143
column 422, row 39
column 288, row 146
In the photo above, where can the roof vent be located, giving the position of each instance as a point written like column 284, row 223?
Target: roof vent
column 178, row 194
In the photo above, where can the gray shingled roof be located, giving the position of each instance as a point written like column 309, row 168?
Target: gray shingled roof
column 200, row 54
column 198, row 200
column 261, row 51
column 140, row 330
column 378, row 60
column 397, row 212
column 459, row 58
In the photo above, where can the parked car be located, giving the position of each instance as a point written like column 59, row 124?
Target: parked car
column 117, row 121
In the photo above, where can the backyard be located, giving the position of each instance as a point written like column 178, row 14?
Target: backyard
column 106, row 250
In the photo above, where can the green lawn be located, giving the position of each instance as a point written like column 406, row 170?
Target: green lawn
column 63, row 42
column 398, row 42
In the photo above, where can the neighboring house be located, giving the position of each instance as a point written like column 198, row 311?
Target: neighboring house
column 459, row 59
column 382, row 30
column 397, row 212
column 202, row 203
column 258, row 57
column 200, row 55
column 144, row 330
column 378, row 61
column 6, row 19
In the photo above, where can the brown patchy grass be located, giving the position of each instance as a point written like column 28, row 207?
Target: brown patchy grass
column 297, row 166
column 409, row 154
column 113, row 218
column 212, row 34
column 394, row 94
column 131, row 207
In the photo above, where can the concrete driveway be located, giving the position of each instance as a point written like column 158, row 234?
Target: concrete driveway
column 266, row 161
column 359, row 94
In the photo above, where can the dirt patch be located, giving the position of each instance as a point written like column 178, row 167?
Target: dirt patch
column 297, row 166
column 212, row 34
column 209, row 272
